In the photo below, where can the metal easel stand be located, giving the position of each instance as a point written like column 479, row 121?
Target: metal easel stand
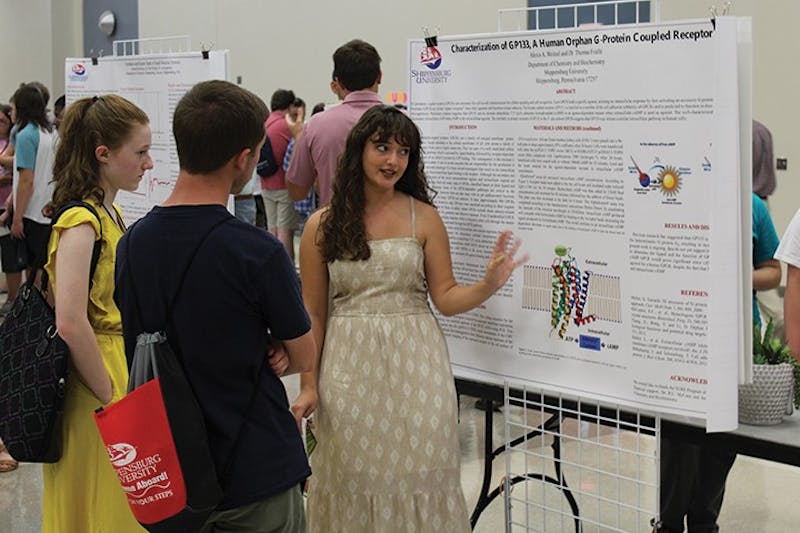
column 491, row 396
column 611, row 455
column 553, row 424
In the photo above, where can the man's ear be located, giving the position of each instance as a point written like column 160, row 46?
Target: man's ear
column 242, row 159
column 101, row 153
column 380, row 75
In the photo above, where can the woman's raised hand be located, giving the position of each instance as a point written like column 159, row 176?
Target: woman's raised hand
column 503, row 261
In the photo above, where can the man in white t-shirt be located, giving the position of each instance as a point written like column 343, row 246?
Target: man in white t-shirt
column 789, row 253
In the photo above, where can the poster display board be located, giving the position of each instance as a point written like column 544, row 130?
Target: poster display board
column 155, row 83
column 614, row 154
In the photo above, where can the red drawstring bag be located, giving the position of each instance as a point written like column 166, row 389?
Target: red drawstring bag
column 142, row 451
column 157, row 442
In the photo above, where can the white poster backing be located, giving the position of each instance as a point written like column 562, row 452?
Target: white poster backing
column 614, row 154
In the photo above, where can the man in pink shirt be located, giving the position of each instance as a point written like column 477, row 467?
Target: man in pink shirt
column 357, row 74
column 281, row 218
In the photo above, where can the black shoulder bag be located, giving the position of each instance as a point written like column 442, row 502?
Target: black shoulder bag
column 34, row 362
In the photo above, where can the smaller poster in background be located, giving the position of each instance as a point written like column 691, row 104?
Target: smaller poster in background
column 155, row 83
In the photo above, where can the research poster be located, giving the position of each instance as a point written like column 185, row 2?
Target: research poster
column 613, row 153
column 155, row 83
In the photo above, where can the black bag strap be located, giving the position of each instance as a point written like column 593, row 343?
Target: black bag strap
column 267, row 164
column 171, row 302
column 95, row 249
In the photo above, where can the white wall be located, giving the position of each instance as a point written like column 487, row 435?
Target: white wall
column 776, row 84
column 67, row 39
column 288, row 43
column 37, row 35
column 27, row 55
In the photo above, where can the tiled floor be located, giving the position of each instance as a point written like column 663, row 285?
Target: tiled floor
column 761, row 496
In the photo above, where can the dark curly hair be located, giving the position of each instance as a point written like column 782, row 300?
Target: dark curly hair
column 89, row 123
column 344, row 235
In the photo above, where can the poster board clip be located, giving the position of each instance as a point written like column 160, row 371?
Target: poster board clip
column 206, row 48
column 722, row 11
column 430, row 37
column 96, row 56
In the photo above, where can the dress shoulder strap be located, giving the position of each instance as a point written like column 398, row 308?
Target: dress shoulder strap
column 413, row 217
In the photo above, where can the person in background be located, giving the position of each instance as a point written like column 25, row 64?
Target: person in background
column 104, row 148
column 356, row 77
column 34, row 152
column 8, row 249
column 764, row 181
column 244, row 206
column 368, row 262
column 8, row 161
column 319, row 107
column 297, row 111
column 44, row 92
column 7, row 463
column 58, row 110
column 789, row 253
column 281, row 218
column 770, row 303
column 10, row 254
column 7, row 154
column 307, row 205
column 693, row 475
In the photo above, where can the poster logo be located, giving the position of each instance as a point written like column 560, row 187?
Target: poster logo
column 430, row 55
column 78, row 72
column 121, row 454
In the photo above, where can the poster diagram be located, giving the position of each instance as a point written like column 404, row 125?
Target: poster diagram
column 158, row 189
column 706, row 164
column 573, row 297
column 668, row 179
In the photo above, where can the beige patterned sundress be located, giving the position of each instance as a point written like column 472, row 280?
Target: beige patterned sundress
column 388, row 457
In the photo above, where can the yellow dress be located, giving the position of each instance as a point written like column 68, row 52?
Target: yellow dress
column 81, row 491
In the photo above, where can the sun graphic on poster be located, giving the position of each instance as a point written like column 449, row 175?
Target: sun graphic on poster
column 670, row 180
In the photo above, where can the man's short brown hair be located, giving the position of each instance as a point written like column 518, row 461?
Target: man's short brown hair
column 213, row 122
column 356, row 65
